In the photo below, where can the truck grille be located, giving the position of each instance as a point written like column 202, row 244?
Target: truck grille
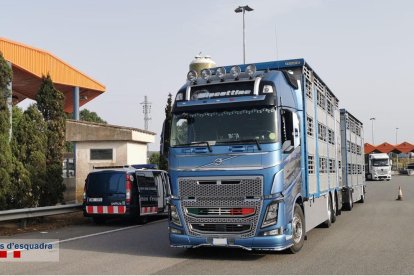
column 221, row 206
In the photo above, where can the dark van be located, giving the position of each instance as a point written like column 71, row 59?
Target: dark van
column 125, row 192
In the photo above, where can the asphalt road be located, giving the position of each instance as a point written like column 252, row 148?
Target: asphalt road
column 376, row 237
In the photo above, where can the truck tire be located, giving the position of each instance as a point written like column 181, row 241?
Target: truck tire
column 333, row 211
column 338, row 206
column 327, row 223
column 298, row 230
column 348, row 204
column 362, row 200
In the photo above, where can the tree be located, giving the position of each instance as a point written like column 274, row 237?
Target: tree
column 167, row 133
column 155, row 158
column 5, row 150
column 50, row 104
column 90, row 116
column 29, row 148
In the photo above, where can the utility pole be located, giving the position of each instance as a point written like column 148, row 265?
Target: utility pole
column 396, row 142
column 146, row 109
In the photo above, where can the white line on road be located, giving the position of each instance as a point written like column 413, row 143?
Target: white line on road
column 105, row 232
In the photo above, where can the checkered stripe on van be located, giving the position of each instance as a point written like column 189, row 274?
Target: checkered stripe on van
column 105, row 209
column 149, row 210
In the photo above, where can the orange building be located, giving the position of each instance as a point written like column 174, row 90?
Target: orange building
column 30, row 64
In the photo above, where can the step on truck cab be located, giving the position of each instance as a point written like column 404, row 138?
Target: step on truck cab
column 254, row 157
column 353, row 169
column 131, row 192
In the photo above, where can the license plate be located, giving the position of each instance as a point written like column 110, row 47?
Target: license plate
column 95, row 199
column 217, row 241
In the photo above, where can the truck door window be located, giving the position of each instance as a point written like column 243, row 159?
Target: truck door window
column 287, row 128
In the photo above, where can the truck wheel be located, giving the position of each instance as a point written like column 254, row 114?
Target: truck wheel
column 298, row 230
column 362, row 200
column 348, row 204
column 338, row 206
column 327, row 223
column 333, row 211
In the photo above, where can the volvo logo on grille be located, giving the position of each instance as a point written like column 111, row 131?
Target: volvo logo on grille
column 218, row 161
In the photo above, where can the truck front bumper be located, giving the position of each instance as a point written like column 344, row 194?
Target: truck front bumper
column 274, row 243
column 381, row 177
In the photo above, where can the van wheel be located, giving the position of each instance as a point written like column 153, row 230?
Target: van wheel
column 99, row 220
column 143, row 219
column 298, row 230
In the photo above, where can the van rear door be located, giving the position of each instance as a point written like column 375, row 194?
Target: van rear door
column 148, row 194
column 107, row 189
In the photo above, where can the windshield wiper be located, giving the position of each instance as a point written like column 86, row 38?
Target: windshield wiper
column 197, row 143
column 242, row 141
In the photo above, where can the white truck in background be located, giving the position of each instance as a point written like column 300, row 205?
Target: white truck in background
column 378, row 166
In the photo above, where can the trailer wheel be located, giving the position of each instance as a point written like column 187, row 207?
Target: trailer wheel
column 333, row 210
column 362, row 200
column 327, row 223
column 349, row 202
column 298, row 230
column 338, row 206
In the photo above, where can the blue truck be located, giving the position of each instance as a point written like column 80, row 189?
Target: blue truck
column 254, row 157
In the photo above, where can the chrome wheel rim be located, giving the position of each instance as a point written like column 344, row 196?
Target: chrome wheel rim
column 297, row 229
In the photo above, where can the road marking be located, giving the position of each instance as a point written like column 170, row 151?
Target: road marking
column 106, row 232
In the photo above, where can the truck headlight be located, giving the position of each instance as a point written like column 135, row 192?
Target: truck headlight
column 271, row 214
column 174, row 217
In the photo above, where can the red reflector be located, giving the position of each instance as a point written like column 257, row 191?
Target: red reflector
column 241, row 211
column 128, row 187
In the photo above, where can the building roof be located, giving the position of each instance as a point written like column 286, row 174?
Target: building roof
column 81, row 131
column 30, row 64
column 385, row 147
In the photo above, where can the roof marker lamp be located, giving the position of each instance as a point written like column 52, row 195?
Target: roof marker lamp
column 251, row 70
column 192, row 76
column 206, row 74
column 235, row 72
column 221, row 73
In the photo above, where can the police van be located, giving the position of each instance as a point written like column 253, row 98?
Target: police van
column 133, row 192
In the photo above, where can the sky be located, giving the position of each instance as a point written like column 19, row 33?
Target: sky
column 363, row 50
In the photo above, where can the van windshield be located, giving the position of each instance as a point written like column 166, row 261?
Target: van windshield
column 106, row 183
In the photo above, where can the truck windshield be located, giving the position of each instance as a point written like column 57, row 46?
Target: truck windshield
column 229, row 126
column 379, row 162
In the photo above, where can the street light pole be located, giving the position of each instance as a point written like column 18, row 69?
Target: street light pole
column 372, row 123
column 396, row 142
column 243, row 9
